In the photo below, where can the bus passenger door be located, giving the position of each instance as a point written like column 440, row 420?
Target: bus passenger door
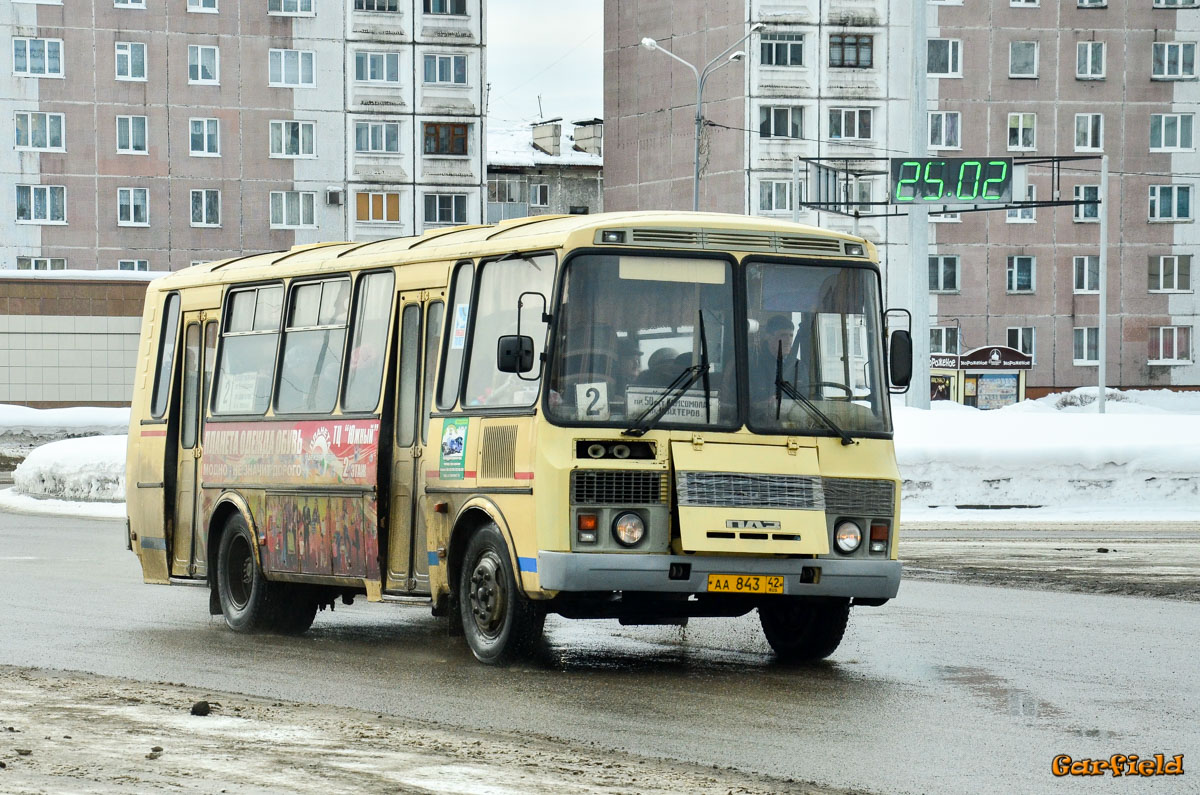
column 186, row 544
column 420, row 319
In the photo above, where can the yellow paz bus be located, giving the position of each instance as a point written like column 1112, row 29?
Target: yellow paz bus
column 642, row 416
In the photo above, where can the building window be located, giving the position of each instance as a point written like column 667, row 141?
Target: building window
column 854, row 52
column 1022, row 59
column 133, row 264
column 1085, row 213
column 780, row 122
column 1024, row 215
column 1176, row 3
column 37, row 57
column 1089, row 132
column 131, row 135
column 782, row 49
column 445, row 208
column 377, row 67
column 290, row 8
column 1170, row 344
column 850, row 124
column 41, row 204
column 445, row 138
column 1087, row 345
column 506, row 190
column 383, row 6
column 133, row 207
column 40, row 131
column 458, row 7
column 1171, row 132
column 1170, row 202
column 203, row 65
column 1024, row 3
column 944, row 126
column 943, row 274
column 206, row 208
column 1092, row 3
column 293, row 209
column 1020, row 274
column 1021, row 338
column 131, row 60
column 293, row 139
column 129, row 3
column 774, row 196
column 377, row 137
column 539, row 194
column 41, row 264
column 382, row 208
column 449, row 69
column 1171, row 273
column 943, row 339
column 1087, row 274
column 1022, row 132
column 202, row 6
column 945, row 58
column 204, row 140
column 292, row 69
column 1174, row 60
column 1089, row 60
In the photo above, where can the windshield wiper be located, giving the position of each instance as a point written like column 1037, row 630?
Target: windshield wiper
column 785, row 387
column 671, row 395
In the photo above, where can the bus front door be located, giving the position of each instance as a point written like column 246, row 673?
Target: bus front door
column 420, row 319
column 187, row 546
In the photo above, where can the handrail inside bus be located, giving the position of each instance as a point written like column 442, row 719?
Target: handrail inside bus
column 311, row 247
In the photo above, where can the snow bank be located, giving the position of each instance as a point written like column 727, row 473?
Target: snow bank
column 89, row 469
column 61, row 423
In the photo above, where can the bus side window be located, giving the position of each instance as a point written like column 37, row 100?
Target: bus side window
column 168, row 337
column 248, row 350
column 433, row 335
column 364, row 373
column 456, row 340
column 408, row 391
column 501, row 284
column 314, row 342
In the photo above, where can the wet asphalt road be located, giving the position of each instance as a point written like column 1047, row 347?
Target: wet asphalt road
column 949, row 689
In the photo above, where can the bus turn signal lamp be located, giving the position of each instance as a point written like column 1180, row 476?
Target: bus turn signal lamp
column 586, row 529
column 879, row 537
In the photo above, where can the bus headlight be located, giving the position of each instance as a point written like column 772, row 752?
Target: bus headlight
column 847, row 535
column 629, row 529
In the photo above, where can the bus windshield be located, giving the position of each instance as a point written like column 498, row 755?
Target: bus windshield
column 814, row 346
column 643, row 335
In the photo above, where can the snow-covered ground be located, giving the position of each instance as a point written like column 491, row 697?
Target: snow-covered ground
column 1140, row 460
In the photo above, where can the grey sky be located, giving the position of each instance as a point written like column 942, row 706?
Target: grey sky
column 551, row 48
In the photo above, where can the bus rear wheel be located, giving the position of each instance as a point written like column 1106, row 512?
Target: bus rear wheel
column 249, row 601
column 804, row 630
column 498, row 621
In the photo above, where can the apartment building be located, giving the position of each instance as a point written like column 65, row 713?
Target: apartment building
column 1014, row 78
column 147, row 134
column 545, row 168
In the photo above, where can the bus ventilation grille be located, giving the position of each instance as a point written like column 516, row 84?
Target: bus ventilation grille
column 732, row 489
column 499, row 452
column 736, row 240
column 608, row 487
column 859, row 497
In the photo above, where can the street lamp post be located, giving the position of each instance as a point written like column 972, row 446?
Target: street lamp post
column 701, row 77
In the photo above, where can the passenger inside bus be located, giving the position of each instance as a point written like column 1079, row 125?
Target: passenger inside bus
column 772, row 346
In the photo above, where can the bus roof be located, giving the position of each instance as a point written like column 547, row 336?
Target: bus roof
column 654, row 229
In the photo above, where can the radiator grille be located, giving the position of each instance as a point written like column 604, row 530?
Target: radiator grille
column 731, row 489
column 859, row 497
column 498, row 453
column 608, row 487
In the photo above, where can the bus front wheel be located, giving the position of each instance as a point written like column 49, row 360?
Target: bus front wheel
column 804, row 630
column 498, row 621
column 249, row 601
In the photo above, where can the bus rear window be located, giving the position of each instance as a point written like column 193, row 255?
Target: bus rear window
column 248, row 350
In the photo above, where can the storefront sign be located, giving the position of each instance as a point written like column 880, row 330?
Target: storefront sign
column 995, row 357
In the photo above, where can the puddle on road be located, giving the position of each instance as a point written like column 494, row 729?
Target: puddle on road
column 1002, row 697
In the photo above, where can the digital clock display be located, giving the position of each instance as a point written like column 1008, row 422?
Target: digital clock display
column 951, row 180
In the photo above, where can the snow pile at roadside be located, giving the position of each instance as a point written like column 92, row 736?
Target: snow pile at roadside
column 1033, row 453
column 18, row 421
column 90, row 469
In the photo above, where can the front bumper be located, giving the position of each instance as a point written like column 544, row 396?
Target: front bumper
column 574, row 571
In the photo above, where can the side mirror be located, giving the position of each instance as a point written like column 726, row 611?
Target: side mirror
column 900, row 358
column 514, row 354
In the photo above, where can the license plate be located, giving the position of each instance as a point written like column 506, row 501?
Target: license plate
column 745, row 583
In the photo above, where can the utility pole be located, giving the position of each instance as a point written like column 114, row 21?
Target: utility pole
column 918, row 216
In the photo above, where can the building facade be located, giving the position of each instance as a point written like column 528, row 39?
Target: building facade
column 1019, row 78
column 541, row 170
column 146, row 135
